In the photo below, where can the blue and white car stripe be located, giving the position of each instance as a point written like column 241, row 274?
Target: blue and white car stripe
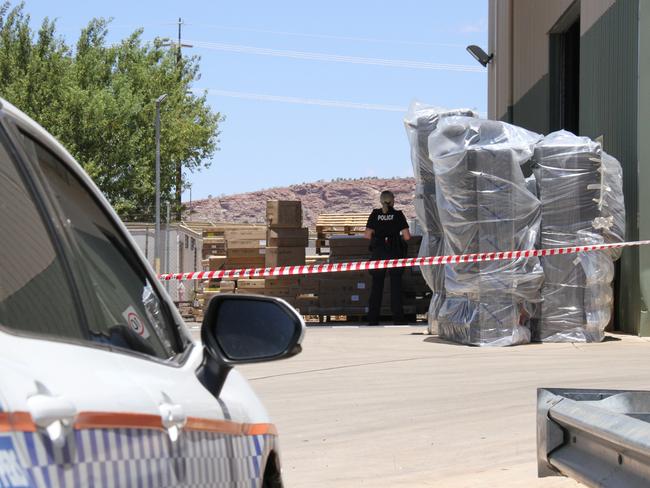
column 146, row 458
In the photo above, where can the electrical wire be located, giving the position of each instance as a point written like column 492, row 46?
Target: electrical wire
column 301, row 101
column 329, row 36
column 394, row 63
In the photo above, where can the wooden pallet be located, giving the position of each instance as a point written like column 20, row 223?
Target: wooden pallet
column 338, row 224
column 218, row 229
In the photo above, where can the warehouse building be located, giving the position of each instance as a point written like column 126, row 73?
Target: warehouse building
column 579, row 65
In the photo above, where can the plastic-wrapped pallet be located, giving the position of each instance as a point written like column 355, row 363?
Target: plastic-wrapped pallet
column 420, row 121
column 485, row 206
column 580, row 188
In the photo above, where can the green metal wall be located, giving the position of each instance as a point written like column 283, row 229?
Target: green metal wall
column 643, row 145
column 608, row 107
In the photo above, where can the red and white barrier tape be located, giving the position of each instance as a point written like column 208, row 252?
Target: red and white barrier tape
column 391, row 263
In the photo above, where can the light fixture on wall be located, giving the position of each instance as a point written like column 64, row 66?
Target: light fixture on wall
column 480, row 55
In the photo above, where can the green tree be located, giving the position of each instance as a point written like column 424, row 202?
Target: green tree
column 98, row 100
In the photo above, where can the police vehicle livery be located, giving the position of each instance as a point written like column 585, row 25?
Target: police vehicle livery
column 100, row 382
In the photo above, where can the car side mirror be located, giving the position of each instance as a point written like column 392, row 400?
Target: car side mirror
column 241, row 329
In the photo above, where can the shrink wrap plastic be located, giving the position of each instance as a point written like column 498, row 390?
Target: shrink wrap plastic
column 472, row 196
column 581, row 191
column 420, row 121
column 484, row 205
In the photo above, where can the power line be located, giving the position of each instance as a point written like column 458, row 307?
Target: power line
column 394, row 63
column 315, row 101
column 330, row 36
column 303, row 101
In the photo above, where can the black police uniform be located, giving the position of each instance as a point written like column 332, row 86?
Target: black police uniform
column 386, row 243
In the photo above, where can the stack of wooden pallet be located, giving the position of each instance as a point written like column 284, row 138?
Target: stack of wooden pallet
column 285, row 287
column 286, row 241
column 348, row 248
column 213, row 245
column 287, row 238
column 329, row 225
column 245, row 247
column 227, row 246
column 215, row 241
column 281, row 242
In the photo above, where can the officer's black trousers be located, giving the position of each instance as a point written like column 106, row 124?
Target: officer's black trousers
column 377, row 291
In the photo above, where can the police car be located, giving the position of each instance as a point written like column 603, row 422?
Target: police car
column 100, row 382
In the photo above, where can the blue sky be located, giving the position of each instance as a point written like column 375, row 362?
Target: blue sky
column 257, row 56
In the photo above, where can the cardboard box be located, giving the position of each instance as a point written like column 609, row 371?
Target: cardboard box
column 343, row 305
column 249, row 262
column 285, row 256
column 213, row 240
column 282, row 282
column 284, row 213
column 245, row 243
column 279, row 293
column 244, row 253
column 257, row 233
column 309, row 285
column 208, row 251
column 251, row 283
column 281, row 237
column 334, row 286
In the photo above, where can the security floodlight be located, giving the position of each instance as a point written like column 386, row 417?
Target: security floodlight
column 480, row 55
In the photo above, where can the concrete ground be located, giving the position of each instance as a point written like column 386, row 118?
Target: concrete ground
column 393, row 407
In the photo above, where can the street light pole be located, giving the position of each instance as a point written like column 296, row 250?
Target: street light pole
column 156, row 256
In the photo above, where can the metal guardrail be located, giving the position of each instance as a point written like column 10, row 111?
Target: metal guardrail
column 598, row 437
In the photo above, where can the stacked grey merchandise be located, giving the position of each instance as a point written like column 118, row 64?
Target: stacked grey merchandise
column 484, row 206
column 580, row 187
column 420, row 121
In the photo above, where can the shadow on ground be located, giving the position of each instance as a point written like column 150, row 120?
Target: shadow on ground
column 439, row 340
column 610, row 338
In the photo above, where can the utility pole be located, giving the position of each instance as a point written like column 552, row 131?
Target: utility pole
column 179, row 67
column 179, row 165
column 178, row 53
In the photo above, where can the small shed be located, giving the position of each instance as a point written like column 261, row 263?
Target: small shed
column 180, row 253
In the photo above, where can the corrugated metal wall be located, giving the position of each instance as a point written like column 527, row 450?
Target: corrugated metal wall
column 591, row 11
column 608, row 107
column 643, row 151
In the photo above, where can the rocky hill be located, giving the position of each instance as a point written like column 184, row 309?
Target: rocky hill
column 339, row 196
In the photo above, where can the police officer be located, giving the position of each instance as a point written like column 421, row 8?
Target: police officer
column 388, row 232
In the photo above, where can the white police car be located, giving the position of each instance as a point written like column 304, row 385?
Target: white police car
column 100, row 382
